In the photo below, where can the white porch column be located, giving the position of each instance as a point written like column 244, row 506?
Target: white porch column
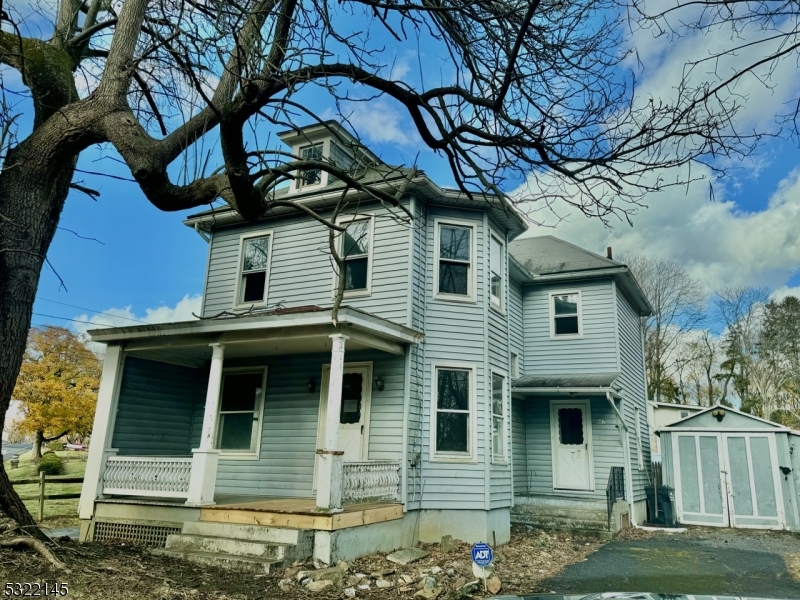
column 203, row 476
column 329, row 473
column 102, row 431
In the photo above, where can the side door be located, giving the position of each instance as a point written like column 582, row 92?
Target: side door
column 571, row 435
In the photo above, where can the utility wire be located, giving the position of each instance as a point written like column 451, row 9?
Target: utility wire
column 73, row 320
column 99, row 312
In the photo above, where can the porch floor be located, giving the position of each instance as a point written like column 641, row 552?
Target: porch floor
column 297, row 513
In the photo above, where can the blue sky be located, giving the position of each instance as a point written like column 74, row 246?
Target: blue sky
column 150, row 266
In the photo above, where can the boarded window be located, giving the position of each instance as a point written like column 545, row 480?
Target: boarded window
column 570, row 426
column 452, row 410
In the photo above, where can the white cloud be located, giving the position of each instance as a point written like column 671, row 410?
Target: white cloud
column 719, row 243
column 783, row 291
column 120, row 317
column 382, row 122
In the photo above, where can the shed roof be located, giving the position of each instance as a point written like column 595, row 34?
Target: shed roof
column 732, row 419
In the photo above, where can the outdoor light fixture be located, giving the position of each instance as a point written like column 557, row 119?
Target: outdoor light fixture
column 719, row 413
column 379, row 383
column 310, row 385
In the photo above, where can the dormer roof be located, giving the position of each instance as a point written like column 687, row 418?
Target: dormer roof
column 317, row 132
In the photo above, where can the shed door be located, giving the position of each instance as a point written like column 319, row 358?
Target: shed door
column 571, row 430
column 753, row 483
column 701, row 497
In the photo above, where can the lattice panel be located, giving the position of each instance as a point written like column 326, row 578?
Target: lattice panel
column 146, row 535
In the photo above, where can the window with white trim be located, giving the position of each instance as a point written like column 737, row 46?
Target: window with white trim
column 253, row 269
column 453, row 413
column 565, row 314
column 496, row 264
column 308, row 177
column 356, row 249
column 498, row 417
column 240, row 409
column 638, row 420
column 455, row 266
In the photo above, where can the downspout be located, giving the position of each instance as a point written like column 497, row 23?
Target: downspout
column 201, row 233
column 626, row 457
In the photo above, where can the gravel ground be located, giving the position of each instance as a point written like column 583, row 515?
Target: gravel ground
column 709, row 561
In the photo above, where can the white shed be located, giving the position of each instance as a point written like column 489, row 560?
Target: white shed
column 731, row 469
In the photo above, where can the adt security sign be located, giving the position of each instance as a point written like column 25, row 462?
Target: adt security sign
column 482, row 554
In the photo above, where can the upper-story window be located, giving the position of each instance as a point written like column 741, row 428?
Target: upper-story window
column 496, row 264
column 254, row 267
column 310, row 177
column 455, row 261
column 498, row 418
column 565, row 314
column 356, row 252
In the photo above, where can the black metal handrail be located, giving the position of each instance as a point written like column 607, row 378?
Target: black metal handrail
column 615, row 490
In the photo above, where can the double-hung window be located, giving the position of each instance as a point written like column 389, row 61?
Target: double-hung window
column 496, row 264
column 240, row 409
column 254, row 268
column 453, row 413
column 455, row 267
column 309, row 177
column 356, row 252
column 498, row 418
column 565, row 314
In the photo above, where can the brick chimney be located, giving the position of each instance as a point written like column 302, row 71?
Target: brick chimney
column 609, row 253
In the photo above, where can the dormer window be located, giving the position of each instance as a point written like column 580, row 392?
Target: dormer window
column 310, row 177
column 254, row 265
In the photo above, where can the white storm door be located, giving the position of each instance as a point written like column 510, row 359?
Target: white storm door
column 571, row 435
column 354, row 414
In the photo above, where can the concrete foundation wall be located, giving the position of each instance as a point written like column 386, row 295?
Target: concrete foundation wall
column 347, row 544
column 490, row 526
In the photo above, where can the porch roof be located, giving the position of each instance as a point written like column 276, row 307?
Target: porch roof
column 278, row 331
column 598, row 383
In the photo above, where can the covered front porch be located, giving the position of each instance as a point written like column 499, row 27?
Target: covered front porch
column 255, row 416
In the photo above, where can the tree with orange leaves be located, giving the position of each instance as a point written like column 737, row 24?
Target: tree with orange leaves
column 57, row 385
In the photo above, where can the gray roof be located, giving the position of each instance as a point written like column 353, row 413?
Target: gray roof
column 571, row 380
column 546, row 254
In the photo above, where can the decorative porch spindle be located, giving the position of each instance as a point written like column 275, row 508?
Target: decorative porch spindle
column 329, row 480
column 204, row 459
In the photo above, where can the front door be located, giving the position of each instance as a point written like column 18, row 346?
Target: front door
column 571, row 433
column 354, row 413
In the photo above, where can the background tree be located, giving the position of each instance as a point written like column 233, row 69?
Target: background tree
column 679, row 306
column 57, row 386
column 534, row 89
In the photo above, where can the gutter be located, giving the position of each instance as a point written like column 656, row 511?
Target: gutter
column 565, row 390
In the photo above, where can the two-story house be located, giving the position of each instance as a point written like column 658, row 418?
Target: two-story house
column 470, row 379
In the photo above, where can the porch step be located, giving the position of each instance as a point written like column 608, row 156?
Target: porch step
column 246, row 564
column 249, row 548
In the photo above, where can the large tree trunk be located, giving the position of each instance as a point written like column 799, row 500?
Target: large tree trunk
column 38, row 440
column 33, row 188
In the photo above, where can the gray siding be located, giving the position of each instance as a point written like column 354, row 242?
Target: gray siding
column 516, row 335
column 300, row 266
column 520, row 446
column 606, row 447
column 156, row 404
column 455, row 331
column 289, row 430
column 595, row 352
column 632, row 380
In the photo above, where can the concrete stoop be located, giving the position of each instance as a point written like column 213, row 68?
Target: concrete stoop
column 580, row 517
column 250, row 548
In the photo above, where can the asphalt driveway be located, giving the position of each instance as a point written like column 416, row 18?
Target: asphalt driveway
column 709, row 562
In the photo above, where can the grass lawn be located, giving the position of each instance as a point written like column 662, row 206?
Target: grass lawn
column 57, row 513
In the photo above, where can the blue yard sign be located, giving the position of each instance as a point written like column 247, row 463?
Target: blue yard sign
column 482, row 554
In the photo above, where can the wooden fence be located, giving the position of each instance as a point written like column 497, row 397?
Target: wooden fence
column 42, row 480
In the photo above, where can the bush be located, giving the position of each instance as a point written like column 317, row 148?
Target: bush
column 50, row 464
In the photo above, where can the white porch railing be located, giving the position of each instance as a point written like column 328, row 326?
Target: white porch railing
column 370, row 481
column 156, row 476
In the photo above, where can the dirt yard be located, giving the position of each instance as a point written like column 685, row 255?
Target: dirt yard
column 122, row 571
